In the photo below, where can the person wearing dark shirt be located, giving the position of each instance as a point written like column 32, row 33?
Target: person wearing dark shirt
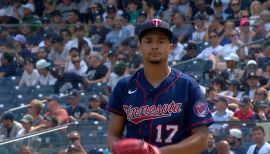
column 75, row 110
column 66, row 81
column 5, row 37
column 8, row 68
column 235, row 140
column 97, row 70
column 133, row 59
column 263, row 110
column 191, row 51
column 95, row 113
column 210, row 145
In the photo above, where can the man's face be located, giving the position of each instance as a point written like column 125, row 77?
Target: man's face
column 7, row 123
column 79, row 34
column 73, row 100
column 211, row 140
column 252, row 82
column 155, row 47
column 41, row 54
column 76, row 62
column 258, row 136
column 235, row 5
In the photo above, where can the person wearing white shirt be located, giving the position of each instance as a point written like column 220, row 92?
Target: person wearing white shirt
column 178, row 52
column 214, row 49
column 45, row 77
column 260, row 146
column 77, row 65
column 30, row 75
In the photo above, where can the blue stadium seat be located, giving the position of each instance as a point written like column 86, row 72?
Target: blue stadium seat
column 22, row 90
column 6, row 102
column 39, row 90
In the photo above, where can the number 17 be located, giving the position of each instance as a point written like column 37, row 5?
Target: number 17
column 172, row 128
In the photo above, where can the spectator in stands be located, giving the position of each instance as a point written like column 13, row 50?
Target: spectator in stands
column 204, row 10
column 57, row 21
column 255, row 9
column 67, row 81
column 235, row 6
column 263, row 110
column 78, row 66
column 74, row 144
column 75, row 109
column 26, row 149
column 54, row 109
column 246, row 33
column 29, row 17
column 98, row 31
column 49, row 7
column 222, row 113
column 97, row 70
column 73, row 17
column 34, row 109
column 45, row 77
column 232, row 67
column 185, row 8
column 59, row 52
column 177, row 52
column 260, row 146
column 95, row 112
column 245, row 112
column 7, row 67
column 119, row 32
column 223, row 147
column 106, row 49
column 65, row 6
column 234, row 138
column 217, row 25
column 130, row 27
column 265, row 15
column 252, row 67
column 234, row 86
column 81, row 42
column 109, row 15
column 199, row 35
column 133, row 59
column 10, row 127
column 5, row 38
column 180, row 28
column 214, row 48
column 151, row 8
column 66, row 34
column 211, row 149
column 258, row 28
column 226, row 37
column 260, row 94
column 30, row 75
column 133, row 10
column 95, row 9
column 219, row 9
column 191, row 51
column 252, row 81
column 22, row 53
column 26, row 122
column 119, row 70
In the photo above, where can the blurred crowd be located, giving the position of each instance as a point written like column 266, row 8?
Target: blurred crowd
column 74, row 44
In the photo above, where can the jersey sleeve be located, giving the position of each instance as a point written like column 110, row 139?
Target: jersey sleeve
column 198, row 112
column 115, row 102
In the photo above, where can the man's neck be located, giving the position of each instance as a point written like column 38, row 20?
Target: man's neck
column 154, row 75
column 35, row 116
column 259, row 144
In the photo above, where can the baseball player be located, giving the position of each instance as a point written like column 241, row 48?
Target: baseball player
column 162, row 109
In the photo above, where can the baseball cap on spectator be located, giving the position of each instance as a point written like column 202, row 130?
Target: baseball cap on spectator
column 251, row 75
column 74, row 93
column 27, row 119
column 111, row 8
column 57, row 39
column 233, row 57
column 29, row 6
column 244, row 100
column 120, row 65
column 251, row 62
column 133, row 43
column 143, row 13
column 155, row 24
column 45, row 20
column 53, row 97
column 28, row 61
column 234, row 82
column 95, row 97
column 244, row 21
column 200, row 17
column 236, row 133
column 8, row 116
column 217, row 3
column 79, row 27
column 20, row 38
column 263, row 103
column 42, row 63
column 55, row 13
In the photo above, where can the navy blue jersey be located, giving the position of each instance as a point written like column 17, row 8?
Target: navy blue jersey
column 163, row 115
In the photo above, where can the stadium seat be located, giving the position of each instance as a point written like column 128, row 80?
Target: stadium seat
column 22, row 90
column 6, row 102
column 41, row 90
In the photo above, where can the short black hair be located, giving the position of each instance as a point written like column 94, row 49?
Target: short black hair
column 258, row 128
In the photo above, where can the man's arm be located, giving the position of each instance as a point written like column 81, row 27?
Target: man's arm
column 116, row 128
column 191, row 145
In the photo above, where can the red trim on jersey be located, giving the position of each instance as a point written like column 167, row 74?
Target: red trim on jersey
column 164, row 90
column 201, row 122
column 116, row 112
